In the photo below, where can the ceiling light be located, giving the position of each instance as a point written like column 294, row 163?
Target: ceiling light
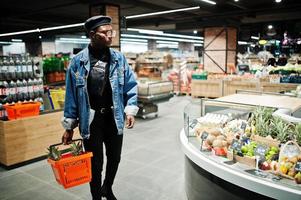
column 254, row 37
column 209, row 1
column 195, row 32
column 145, row 31
column 165, row 34
column 236, row 0
column 42, row 29
column 40, row 37
column 133, row 40
column 16, row 40
column 19, row 32
column 270, row 26
column 162, row 12
column 161, row 38
column 167, row 46
column 166, row 42
column 2, row 42
column 278, row 1
column 62, row 27
column 242, row 43
column 73, row 40
column 198, row 45
column 83, row 36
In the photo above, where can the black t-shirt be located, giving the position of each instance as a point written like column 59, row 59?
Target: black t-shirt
column 99, row 87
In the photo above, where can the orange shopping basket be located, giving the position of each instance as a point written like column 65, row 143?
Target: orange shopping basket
column 71, row 170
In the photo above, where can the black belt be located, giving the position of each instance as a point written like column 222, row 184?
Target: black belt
column 104, row 110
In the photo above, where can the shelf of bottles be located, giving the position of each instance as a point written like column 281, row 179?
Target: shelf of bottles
column 20, row 81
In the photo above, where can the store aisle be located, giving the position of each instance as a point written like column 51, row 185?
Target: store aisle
column 152, row 166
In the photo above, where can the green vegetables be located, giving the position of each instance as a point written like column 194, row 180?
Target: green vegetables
column 266, row 124
column 76, row 148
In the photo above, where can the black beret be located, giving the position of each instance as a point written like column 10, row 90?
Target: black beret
column 97, row 21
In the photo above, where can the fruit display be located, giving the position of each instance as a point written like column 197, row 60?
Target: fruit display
column 287, row 166
column 257, row 138
column 213, row 120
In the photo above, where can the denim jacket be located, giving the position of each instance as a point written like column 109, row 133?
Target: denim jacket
column 77, row 111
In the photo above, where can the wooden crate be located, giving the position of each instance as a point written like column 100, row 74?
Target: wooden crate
column 206, row 88
column 277, row 87
column 230, row 86
column 28, row 138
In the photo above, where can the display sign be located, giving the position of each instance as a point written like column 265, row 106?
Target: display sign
column 260, row 151
column 193, row 123
column 243, row 126
column 204, row 135
column 236, row 145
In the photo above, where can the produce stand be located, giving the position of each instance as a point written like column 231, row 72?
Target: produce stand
column 151, row 93
column 213, row 88
column 208, row 170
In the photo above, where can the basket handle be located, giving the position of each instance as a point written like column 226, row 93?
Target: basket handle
column 291, row 142
column 66, row 150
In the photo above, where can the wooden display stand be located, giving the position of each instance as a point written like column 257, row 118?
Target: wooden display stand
column 206, row 88
column 277, row 87
column 218, row 88
column 230, row 87
column 28, row 138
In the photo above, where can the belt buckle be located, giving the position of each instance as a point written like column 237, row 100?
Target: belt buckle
column 102, row 110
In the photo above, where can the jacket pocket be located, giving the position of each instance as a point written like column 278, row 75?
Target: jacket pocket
column 80, row 82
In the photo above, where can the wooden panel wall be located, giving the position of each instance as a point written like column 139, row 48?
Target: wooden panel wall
column 220, row 49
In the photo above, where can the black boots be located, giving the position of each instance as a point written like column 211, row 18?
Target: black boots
column 107, row 193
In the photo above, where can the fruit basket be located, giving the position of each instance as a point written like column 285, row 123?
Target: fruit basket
column 71, row 166
column 289, row 156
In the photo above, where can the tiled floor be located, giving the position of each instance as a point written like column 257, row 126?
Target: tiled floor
column 152, row 165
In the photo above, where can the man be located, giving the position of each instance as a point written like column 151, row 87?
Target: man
column 100, row 89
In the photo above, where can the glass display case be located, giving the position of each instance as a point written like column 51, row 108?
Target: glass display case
column 219, row 167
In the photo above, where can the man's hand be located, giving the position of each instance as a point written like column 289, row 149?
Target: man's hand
column 130, row 120
column 67, row 137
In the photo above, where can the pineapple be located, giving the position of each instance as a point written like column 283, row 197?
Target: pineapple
column 298, row 134
column 260, row 120
column 76, row 148
column 281, row 130
column 54, row 153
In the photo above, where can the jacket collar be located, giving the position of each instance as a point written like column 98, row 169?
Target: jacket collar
column 86, row 62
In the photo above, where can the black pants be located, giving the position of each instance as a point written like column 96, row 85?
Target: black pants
column 103, row 131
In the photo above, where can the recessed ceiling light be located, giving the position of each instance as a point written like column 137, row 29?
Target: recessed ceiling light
column 40, row 37
column 270, row 26
column 278, row 1
column 195, row 32
column 236, row 0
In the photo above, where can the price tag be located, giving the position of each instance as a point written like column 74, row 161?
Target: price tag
column 243, row 126
column 260, row 151
column 204, row 135
column 236, row 145
column 193, row 123
column 298, row 167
